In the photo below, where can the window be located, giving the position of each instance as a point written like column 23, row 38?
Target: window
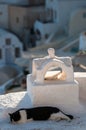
column 55, row 14
column 0, row 13
column 0, row 54
column 8, row 41
column 46, row 36
column 84, row 15
column 38, row 34
column 25, row 21
column 17, row 19
column 17, row 52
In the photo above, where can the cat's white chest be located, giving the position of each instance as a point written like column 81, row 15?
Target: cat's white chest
column 24, row 119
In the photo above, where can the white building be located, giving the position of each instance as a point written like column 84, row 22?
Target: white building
column 20, row 17
column 10, row 48
column 65, row 15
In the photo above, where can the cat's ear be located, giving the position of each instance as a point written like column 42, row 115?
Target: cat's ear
column 9, row 114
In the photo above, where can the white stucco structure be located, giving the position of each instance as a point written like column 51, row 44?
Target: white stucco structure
column 47, row 86
column 10, row 47
column 46, row 28
column 82, row 41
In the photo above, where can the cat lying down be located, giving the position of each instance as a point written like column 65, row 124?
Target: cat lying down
column 38, row 114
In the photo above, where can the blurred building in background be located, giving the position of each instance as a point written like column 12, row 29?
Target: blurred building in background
column 45, row 17
column 10, row 48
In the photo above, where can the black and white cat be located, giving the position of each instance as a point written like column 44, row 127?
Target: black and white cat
column 38, row 114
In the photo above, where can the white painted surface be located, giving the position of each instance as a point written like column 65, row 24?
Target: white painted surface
column 64, row 96
column 54, row 92
column 82, row 41
column 45, row 28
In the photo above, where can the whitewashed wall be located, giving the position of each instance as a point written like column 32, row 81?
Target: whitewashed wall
column 44, row 29
column 82, row 41
column 14, row 43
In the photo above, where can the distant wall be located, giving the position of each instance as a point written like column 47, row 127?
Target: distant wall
column 17, row 18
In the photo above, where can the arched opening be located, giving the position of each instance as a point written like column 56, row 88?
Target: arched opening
column 55, row 73
column 43, row 74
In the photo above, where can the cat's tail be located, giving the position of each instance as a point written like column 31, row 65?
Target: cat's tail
column 64, row 115
column 68, row 117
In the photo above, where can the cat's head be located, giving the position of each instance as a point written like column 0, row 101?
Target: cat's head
column 14, row 117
